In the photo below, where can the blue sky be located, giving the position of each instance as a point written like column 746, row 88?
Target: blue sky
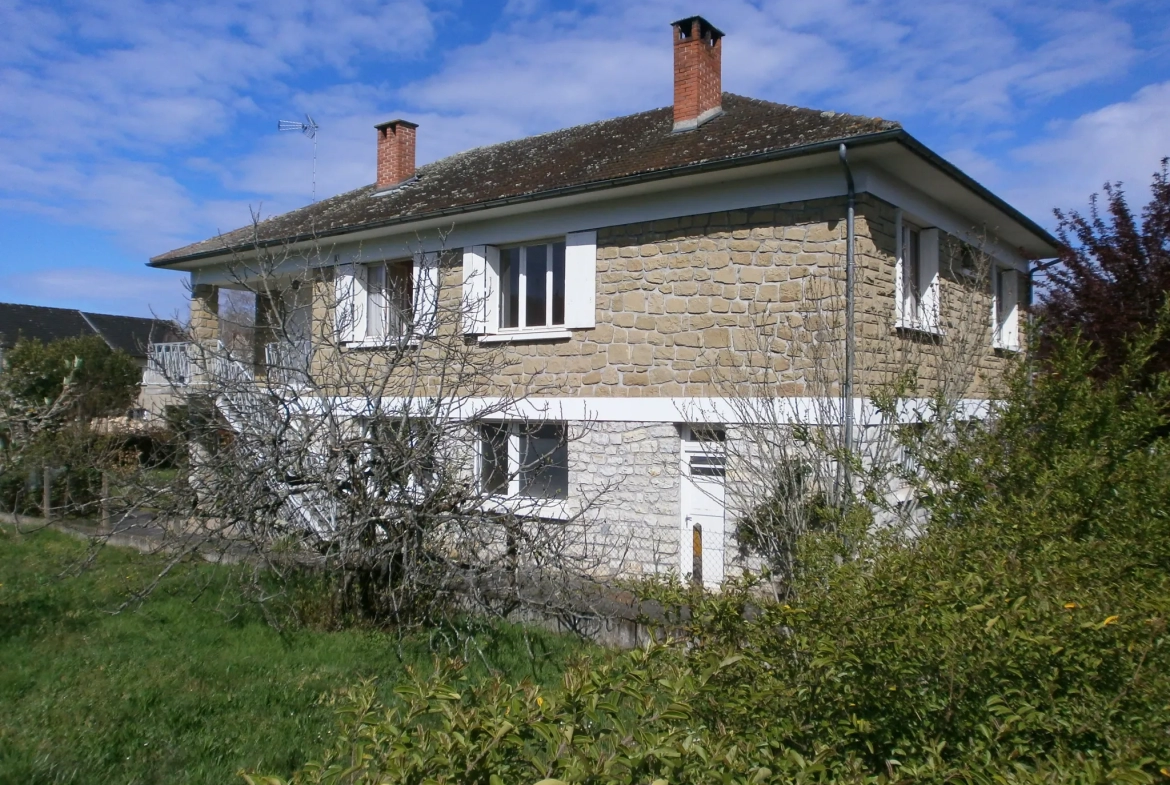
column 128, row 127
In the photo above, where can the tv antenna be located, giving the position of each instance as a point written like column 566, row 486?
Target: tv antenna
column 309, row 129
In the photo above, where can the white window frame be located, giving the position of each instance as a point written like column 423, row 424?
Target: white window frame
column 516, row 430
column 1005, row 307
column 549, row 291
column 482, row 287
column 921, row 314
column 379, row 304
column 352, row 292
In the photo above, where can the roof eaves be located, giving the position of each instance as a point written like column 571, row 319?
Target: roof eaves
column 717, row 164
column 933, row 158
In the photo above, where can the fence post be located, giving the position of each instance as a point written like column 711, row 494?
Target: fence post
column 105, row 500
column 697, row 554
column 47, row 493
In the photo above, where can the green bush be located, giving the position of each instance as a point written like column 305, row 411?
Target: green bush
column 1022, row 639
column 101, row 382
column 105, row 380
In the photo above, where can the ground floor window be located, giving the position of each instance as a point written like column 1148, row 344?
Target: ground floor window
column 524, row 459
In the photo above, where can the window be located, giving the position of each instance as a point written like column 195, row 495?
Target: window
column 527, row 460
column 400, row 451
column 911, row 273
column 1005, row 308
column 705, row 449
column 916, row 279
column 384, row 302
column 532, row 291
column 389, row 291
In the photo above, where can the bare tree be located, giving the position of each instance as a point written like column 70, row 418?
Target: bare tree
column 791, row 468
column 376, row 466
column 237, row 321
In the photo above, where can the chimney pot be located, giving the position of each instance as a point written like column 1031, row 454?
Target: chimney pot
column 698, row 72
column 395, row 152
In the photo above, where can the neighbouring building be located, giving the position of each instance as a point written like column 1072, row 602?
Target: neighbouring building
column 133, row 335
column 617, row 266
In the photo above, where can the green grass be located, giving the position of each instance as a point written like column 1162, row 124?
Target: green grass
column 189, row 687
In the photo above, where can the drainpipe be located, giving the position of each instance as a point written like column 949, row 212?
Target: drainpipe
column 850, row 275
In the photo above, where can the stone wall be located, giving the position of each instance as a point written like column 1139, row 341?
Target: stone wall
column 632, row 469
column 691, row 306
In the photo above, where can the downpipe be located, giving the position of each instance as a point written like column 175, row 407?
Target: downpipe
column 846, row 469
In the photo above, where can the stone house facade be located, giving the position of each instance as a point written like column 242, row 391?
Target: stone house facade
column 619, row 282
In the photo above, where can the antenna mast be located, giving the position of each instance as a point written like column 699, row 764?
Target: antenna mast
column 309, row 129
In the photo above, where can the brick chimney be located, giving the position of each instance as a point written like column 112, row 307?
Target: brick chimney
column 698, row 73
column 395, row 152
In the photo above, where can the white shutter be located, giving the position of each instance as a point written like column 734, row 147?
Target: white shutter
column 900, row 249
column 349, row 317
column 581, row 279
column 426, row 292
column 929, row 282
column 491, row 295
column 475, row 290
column 1009, row 335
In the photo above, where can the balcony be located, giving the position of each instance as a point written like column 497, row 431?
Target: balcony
column 168, row 364
column 175, row 364
column 287, row 362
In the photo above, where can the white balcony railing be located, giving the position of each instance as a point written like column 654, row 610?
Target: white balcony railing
column 174, row 364
column 287, row 362
column 167, row 364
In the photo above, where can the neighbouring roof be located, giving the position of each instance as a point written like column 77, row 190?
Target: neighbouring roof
column 585, row 155
column 130, row 334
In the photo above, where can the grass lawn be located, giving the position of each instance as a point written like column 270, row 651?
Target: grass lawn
column 187, row 688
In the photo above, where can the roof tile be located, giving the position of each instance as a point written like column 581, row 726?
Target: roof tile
column 636, row 144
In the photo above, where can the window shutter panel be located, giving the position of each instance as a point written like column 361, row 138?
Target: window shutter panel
column 900, row 315
column 349, row 317
column 1010, row 331
column 475, row 290
column 929, row 285
column 426, row 293
column 581, row 279
column 491, row 296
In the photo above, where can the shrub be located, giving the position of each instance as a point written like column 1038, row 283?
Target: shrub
column 106, row 380
column 1021, row 639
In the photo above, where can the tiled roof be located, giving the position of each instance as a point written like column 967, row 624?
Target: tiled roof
column 131, row 334
column 34, row 321
column 585, row 155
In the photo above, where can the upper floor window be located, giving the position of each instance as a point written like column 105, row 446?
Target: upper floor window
column 380, row 303
column 911, row 273
column 533, row 290
column 916, row 278
column 1005, row 308
column 389, row 295
column 532, row 285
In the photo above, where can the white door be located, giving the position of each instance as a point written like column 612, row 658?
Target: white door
column 701, row 537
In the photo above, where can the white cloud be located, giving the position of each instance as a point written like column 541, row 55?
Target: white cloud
column 98, row 99
column 118, row 115
column 145, row 293
column 1123, row 142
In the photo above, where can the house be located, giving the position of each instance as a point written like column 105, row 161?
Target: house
column 130, row 334
column 615, row 267
column 133, row 335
